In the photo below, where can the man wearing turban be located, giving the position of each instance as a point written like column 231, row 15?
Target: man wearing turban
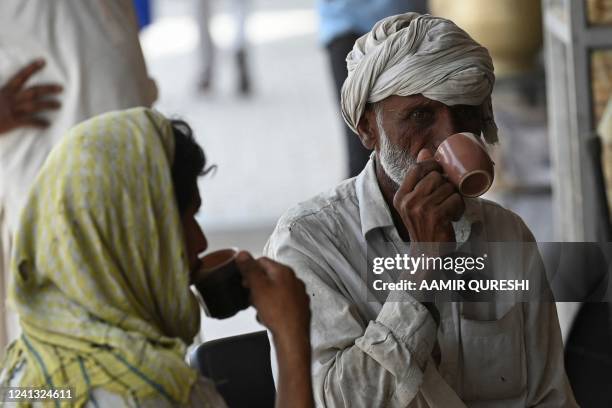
column 413, row 81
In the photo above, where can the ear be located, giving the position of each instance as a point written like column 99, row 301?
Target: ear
column 367, row 129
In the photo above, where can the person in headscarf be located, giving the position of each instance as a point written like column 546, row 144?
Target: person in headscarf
column 103, row 258
column 413, row 81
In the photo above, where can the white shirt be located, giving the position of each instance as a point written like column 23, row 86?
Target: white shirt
column 368, row 353
column 91, row 48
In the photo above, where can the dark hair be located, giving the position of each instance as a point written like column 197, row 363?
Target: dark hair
column 189, row 163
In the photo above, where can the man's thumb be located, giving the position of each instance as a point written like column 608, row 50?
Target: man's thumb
column 424, row 154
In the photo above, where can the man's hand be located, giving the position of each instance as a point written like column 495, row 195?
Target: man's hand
column 21, row 106
column 427, row 202
column 278, row 295
column 283, row 307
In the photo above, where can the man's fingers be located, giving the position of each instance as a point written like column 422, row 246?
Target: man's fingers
column 416, row 173
column 268, row 263
column 38, row 91
column 19, row 79
column 424, row 154
column 33, row 107
column 253, row 273
column 273, row 268
column 33, row 121
column 441, row 193
column 453, row 207
column 429, row 184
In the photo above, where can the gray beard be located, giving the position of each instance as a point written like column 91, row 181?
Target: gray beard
column 394, row 161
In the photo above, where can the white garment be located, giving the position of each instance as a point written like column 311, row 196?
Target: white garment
column 371, row 351
column 91, row 48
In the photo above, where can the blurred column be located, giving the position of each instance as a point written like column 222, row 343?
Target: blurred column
column 510, row 29
column 576, row 32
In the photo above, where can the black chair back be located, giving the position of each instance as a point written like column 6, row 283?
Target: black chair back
column 240, row 368
column 588, row 350
column 599, row 200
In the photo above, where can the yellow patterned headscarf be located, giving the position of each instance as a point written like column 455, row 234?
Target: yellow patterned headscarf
column 99, row 271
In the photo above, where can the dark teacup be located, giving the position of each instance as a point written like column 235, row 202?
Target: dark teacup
column 466, row 163
column 219, row 285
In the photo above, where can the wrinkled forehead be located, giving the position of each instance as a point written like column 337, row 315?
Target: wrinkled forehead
column 402, row 103
column 398, row 101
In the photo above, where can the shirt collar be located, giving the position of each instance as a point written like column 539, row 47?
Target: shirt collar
column 374, row 212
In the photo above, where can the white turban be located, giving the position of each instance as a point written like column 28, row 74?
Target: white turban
column 411, row 54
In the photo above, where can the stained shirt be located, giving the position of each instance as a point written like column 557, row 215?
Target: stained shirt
column 370, row 352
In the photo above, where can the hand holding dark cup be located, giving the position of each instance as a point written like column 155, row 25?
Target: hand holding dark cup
column 278, row 295
column 218, row 284
column 283, row 307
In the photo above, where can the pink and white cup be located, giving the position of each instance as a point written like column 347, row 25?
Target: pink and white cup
column 466, row 163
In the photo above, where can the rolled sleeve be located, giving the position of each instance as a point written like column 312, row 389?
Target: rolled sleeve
column 401, row 340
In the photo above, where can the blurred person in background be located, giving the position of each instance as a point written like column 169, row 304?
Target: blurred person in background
column 143, row 12
column 341, row 23
column 413, row 81
column 106, row 248
column 238, row 10
column 92, row 51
